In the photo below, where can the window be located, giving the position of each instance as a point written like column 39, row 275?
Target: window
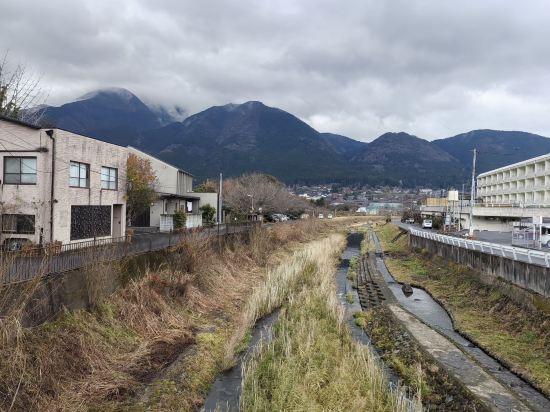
column 109, row 178
column 90, row 221
column 18, row 224
column 79, row 175
column 20, row 170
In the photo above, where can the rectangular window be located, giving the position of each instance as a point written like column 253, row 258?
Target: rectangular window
column 19, row 170
column 79, row 174
column 90, row 221
column 18, row 224
column 109, row 177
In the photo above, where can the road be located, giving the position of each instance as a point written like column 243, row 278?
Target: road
column 501, row 238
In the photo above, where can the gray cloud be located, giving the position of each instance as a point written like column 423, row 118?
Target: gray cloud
column 360, row 67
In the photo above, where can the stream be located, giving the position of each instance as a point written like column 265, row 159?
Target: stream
column 425, row 308
column 225, row 393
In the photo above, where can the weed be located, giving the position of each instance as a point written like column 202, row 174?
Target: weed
column 313, row 362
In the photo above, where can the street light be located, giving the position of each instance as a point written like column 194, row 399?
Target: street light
column 251, row 202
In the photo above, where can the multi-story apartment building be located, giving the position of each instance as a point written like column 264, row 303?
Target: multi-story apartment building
column 174, row 189
column 59, row 186
column 525, row 183
column 504, row 196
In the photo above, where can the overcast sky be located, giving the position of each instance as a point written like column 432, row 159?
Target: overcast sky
column 432, row 68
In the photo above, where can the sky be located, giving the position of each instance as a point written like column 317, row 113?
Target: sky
column 359, row 68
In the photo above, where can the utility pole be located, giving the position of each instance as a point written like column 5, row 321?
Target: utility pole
column 460, row 209
column 220, row 200
column 472, row 193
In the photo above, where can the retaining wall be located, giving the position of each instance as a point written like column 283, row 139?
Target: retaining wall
column 84, row 287
column 529, row 276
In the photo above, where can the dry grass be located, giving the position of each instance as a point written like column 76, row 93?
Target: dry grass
column 102, row 358
column 313, row 362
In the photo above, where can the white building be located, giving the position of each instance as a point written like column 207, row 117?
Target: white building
column 513, row 193
column 175, row 192
column 524, row 183
column 59, row 186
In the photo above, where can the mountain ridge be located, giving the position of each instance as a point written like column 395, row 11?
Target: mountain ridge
column 253, row 137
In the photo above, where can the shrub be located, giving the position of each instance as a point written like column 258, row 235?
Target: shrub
column 208, row 214
column 179, row 219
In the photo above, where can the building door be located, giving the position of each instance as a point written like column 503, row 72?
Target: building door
column 117, row 220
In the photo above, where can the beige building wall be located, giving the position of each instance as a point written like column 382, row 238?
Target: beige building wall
column 17, row 140
column 20, row 141
column 96, row 153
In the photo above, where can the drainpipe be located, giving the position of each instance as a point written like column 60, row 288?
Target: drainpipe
column 52, row 198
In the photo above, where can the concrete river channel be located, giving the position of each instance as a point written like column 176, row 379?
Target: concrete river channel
column 225, row 392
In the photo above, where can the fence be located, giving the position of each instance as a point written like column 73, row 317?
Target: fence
column 24, row 265
column 516, row 253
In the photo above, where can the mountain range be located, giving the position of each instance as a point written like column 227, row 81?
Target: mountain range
column 252, row 137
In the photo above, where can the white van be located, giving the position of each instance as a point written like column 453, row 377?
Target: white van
column 427, row 224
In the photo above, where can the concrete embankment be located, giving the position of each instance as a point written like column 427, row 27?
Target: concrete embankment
column 430, row 324
column 526, row 275
column 494, row 394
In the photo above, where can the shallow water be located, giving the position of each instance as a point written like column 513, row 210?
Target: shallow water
column 424, row 307
column 343, row 287
column 225, row 393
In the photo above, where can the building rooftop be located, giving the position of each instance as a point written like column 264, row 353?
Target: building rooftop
column 19, row 122
column 160, row 160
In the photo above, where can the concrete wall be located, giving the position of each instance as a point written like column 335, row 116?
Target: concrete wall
column 525, row 275
column 170, row 179
column 82, row 288
column 35, row 199
column 73, row 147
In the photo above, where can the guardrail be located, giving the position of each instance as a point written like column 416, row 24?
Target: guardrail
column 517, row 253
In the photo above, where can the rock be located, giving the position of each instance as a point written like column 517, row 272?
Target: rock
column 407, row 289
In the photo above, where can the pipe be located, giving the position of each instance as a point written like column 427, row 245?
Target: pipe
column 52, row 198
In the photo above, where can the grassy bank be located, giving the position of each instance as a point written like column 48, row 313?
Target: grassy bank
column 115, row 355
column 419, row 371
column 313, row 362
column 518, row 334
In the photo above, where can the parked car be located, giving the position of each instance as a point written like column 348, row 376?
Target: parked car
column 410, row 220
column 330, row 216
column 278, row 217
column 427, row 224
column 321, row 216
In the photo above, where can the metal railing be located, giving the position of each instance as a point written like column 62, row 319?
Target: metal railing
column 24, row 265
column 536, row 257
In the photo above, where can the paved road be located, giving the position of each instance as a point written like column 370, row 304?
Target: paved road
column 501, row 238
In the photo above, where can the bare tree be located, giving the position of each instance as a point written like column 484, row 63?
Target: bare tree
column 260, row 193
column 21, row 96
